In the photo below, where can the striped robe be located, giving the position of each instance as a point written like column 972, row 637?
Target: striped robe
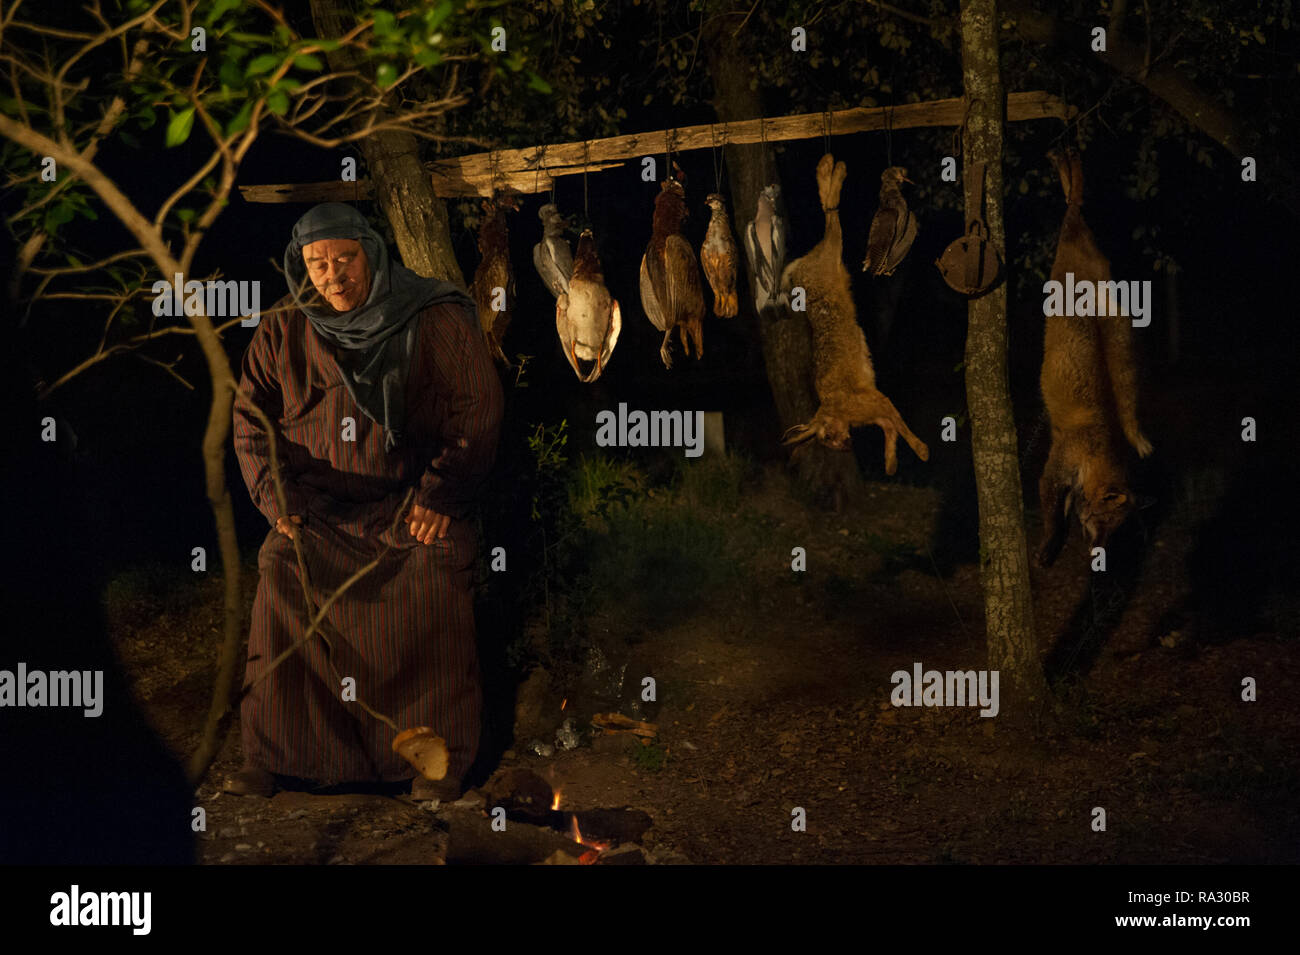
column 405, row 632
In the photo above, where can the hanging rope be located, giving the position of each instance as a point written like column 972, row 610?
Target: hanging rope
column 719, row 156
column 586, row 161
column 670, row 147
column 762, row 138
column 958, row 140
column 537, row 178
column 889, row 118
column 494, row 160
column 826, row 128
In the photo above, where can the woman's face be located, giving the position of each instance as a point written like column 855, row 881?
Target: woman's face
column 340, row 272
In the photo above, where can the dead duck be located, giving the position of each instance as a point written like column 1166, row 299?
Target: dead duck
column 587, row 317
column 718, row 257
column 670, row 277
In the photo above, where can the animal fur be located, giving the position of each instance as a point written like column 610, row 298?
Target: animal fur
column 1089, row 382
column 845, row 380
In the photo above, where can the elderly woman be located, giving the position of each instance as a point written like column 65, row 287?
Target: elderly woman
column 377, row 381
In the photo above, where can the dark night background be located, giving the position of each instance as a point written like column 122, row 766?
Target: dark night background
column 129, row 493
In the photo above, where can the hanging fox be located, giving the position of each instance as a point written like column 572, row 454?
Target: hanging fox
column 1089, row 383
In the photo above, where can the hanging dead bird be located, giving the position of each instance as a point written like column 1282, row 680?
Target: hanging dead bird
column 587, row 316
column 845, row 380
column 1089, row 382
column 893, row 227
column 765, row 247
column 493, row 288
column 670, row 277
column 718, row 256
column 552, row 257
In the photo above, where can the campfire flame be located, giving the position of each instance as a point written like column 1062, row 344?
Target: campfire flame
column 555, row 802
column 576, row 835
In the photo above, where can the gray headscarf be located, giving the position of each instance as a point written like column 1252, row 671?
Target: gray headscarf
column 375, row 341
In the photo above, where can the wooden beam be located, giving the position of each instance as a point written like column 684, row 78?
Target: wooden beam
column 532, row 169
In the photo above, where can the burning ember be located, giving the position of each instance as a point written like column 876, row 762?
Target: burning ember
column 587, row 858
column 555, row 802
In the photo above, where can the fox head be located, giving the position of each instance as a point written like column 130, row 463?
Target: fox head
column 1102, row 511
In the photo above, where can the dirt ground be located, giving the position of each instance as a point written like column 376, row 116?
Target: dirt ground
column 773, row 695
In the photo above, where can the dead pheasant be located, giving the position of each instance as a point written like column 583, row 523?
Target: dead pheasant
column 718, row 255
column 845, row 380
column 587, row 316
column 893, row 227
column 670, row 278
column 494, row 281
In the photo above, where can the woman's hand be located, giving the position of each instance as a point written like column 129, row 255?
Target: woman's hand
column 426, row 524
column 287, row 525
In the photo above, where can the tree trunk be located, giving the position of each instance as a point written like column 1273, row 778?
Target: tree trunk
column 402, row 186
column 787, row 339
column 1004, row 557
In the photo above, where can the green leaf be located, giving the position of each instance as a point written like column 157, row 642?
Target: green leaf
column 231, row 75
column 240, row 121
column 278, row 102
column 535, row 82
column 57, row 215
column 305, row 61
column 428, row 59
column 386, row 75
column 219, row 9
column 385, row 23
column 186, row 215
column 262, row 64
column 179, row 126
column 439, row 13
